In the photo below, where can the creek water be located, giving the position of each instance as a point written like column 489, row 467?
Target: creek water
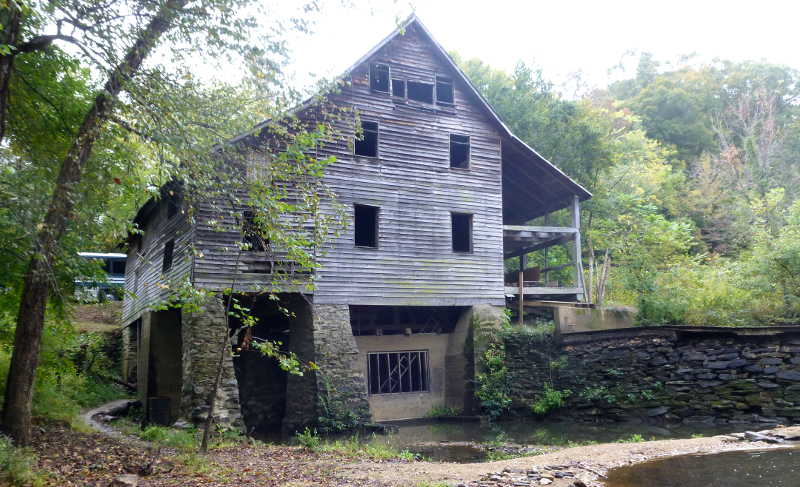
column 731, row 469
column 430, row 438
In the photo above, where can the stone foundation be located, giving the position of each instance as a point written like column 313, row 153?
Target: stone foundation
column 322, row 334
column 129, row 353
column 204, row 334
column 706, row 374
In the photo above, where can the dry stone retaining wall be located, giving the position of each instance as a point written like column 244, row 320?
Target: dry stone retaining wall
column 203, row 335
column 663, row 374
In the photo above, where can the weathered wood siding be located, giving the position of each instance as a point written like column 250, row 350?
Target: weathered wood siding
column 416, row 190
column 220, row 249
column 146, row 258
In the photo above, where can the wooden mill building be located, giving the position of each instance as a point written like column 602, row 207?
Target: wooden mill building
column 438, row 192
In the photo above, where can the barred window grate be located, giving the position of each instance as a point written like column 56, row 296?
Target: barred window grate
column 398, row 372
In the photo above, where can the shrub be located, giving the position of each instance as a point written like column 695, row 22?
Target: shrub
column 438, row 412
column 17, row 465
column 493, row 387
column 550, row 400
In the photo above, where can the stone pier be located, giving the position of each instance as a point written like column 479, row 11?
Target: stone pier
column 322, row 334
column 204, row 334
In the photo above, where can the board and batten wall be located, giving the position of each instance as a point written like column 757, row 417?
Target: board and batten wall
column 416, row 191
column 143, row 269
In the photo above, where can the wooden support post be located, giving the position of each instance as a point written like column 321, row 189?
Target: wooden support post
column 522, row 262
column 546, row 255
column 577, row 271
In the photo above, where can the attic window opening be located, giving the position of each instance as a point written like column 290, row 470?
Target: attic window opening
column 173, row 204
column 444, row 91
column 422, row 92
column 169, row 248
column 252, row 234
column 365, row 223
column 398, row 88
column 462, row 232
column 379, row 77
column 459, row 151
column 367, row 146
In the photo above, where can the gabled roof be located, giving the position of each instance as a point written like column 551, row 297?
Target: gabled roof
column 538, row 186
column 547, row 177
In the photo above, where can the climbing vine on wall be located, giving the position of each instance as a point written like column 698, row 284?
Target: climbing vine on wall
column 493, row 385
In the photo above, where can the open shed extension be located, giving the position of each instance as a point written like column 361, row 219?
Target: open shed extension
column 532, row 287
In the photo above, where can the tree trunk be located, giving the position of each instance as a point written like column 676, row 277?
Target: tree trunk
column 601, row 286
column 590, row 298
column 30, row 321
column 9, row 35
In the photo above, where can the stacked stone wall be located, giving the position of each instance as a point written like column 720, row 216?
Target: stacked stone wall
column 703, row 375
column 203, row 335
column 340, row 375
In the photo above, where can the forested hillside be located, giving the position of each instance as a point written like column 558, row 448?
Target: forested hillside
column 694, row 170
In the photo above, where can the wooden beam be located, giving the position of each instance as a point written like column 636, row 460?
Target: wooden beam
column 543, row 245
column 556, row 304
column 525, row 228
column 535, row 290
column 557, row 267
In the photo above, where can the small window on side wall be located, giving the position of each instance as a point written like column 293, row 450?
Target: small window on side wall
column 422, row 92
column 367, row 145
column 459, row 151
column 169, row 248
column 365, row 223
column 444, row 91
column 462, row 232
column 379, row 77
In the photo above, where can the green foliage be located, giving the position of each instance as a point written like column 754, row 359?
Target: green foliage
column 334, row 411
column 549, row 400
column 17, row 465
column 443, row 411
column 632, row 439
column 75, row 370
column 353, row 447
column 183, row 440
column 308, row 439
column 593, row 393
column 493, row 386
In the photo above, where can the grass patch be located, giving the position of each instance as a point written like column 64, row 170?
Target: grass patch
column 18, row 465
column 439, row 412
column 353, row 447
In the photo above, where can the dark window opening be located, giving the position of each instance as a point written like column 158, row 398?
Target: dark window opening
column 252, row 233
column 459, row 151
column 365, row 225
column 379, row 77
column 367, row 146
column 169, row 248
column 370, row 320
column 462, row 232
column 398, row 372
column 444, row 91
column 398, row 88
column 420, row 91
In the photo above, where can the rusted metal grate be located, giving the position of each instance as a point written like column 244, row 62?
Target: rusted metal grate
column 398, row 372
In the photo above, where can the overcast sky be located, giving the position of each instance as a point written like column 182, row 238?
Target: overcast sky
column 564, row 36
